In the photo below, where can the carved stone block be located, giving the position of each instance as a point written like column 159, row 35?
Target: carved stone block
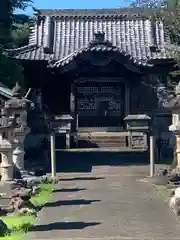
column 138, row 142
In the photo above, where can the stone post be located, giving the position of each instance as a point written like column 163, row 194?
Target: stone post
column 175, row 128
column 152, row 155
column 53, row 155
column 178, row 150
column 68, row 140
column 18, row 153
column 6, row 148
column 6, row 165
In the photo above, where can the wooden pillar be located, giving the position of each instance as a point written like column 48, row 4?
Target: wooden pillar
column 127, row 99
column 74, row 126
column 73, row 106
column 37, row 98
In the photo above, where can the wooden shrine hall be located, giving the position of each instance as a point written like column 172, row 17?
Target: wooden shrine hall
column 94, row 67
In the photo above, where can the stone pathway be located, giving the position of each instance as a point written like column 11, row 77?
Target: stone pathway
column 110, row 203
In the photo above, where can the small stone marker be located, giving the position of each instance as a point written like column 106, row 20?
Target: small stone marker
column 174, row 202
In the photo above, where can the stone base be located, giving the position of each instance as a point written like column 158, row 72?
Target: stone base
column 25, row 174
column 177, row 170
column 22, row 174
column 7, row 173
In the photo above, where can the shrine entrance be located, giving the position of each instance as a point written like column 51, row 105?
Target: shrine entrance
column 100, row 104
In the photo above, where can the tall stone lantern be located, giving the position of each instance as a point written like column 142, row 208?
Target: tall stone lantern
column 171, row 101
column 18, row 107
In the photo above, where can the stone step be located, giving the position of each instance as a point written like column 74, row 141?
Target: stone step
column 103, row 137
column 103, row 140
column 99, row 129
column 104, row 134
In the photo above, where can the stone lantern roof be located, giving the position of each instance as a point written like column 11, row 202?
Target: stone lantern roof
column 17, row 102
column 17, row 91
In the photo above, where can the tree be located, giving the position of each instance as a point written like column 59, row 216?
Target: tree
column 169, row 12
column 20, row 35
column 5, row 22
column 155, row 4
column 10, row 71
column 20, row 4
column 146, row 4
column 21, row 29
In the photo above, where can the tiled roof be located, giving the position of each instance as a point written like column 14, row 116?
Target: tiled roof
column 90, row 12
column 5, row 91
column 113, row 53
column 29, row 52
column 63, row 33
column 108, row 12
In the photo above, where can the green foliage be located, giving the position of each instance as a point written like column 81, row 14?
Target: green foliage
column 172, row 4
column 11, row 35
column 5, row 22
column 144, row 4
column 20, row 30
column 169, row 12
column 21, row 4
column 43, row 196
column 19, row 225
column 20, row 34
column 172, row 23
column 10, row 72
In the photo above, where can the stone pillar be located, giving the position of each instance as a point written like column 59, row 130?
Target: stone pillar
column 18, row 156
column 6, row 165
column 18, row 153
column 178, row 150
column 6, row 147
column 175, row 128
column 53, row 155
column 67, row 140
column 152, row 155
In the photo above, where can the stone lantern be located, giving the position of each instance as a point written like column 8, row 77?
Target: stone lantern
column 6, row 146
column 18, row 107
column 171, row 101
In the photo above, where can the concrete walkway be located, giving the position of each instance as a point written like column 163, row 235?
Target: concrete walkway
column 110, row 203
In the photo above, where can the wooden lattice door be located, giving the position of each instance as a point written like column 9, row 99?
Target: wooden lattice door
column 100, row 104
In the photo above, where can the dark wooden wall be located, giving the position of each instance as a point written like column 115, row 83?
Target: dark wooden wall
column 56, row 86
column 56, row 94
column 142, row 99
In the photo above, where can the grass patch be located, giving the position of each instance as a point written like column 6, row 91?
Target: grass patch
column 19, row 224
column 42, row 198
column 163, row 191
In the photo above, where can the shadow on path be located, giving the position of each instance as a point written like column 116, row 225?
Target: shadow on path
column 66, row 190
column 85, row 161
column 63, row 226
column 81, row 178
column 70, row 202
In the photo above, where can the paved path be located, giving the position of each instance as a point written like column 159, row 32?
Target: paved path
column 110, row 203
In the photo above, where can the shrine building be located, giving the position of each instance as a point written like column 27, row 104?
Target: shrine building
column 97, row 66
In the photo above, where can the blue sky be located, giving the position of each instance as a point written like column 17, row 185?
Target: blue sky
column 76, row 4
